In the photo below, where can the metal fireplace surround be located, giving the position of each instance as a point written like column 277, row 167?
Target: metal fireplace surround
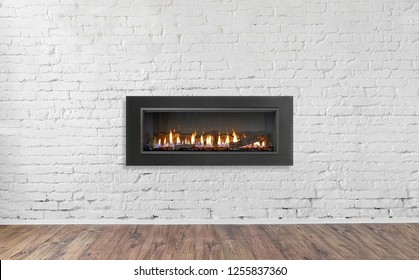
column 209, row 130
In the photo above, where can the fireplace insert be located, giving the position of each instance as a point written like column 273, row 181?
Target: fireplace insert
column 209, row 130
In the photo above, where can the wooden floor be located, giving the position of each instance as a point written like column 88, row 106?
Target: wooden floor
column 337, row 241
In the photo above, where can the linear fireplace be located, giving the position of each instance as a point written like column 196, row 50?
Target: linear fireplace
column 209, row 130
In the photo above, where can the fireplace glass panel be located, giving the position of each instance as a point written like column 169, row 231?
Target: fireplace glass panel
column 168, row 130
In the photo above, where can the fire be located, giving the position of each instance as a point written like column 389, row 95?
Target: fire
column 209, row 140
column 235, row 140
column 193, row 137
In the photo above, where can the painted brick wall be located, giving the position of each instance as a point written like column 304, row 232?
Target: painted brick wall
column 67, row 65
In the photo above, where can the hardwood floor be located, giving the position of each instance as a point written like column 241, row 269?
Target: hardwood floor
column 337, row 241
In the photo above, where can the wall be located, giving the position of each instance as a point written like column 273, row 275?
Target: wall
column 66, row 67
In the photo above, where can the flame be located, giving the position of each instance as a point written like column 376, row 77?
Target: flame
column 209, row 140
column 193, row 137
column 235, row 140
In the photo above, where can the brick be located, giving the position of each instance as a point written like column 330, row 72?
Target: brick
column 66, row 68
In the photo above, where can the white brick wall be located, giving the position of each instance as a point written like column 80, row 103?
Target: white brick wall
column 67, row 65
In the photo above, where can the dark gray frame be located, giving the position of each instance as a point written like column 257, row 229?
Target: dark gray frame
column 283, row 155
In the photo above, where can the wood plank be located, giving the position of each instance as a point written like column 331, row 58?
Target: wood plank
column 260, row 243
column 344, row 241
column 208, row 243
column 8, row 237
column 237, row 249
column 345, row 249
column 3, row 228
column 179, row 256
column 22, row 239
column 288, row 245
column 317, row 243
column 75, row 248
column 32, row 244
column 410, row 234
column 54, row 244
column 381, row 244
column 103, row 246
column 131, row 243
column 230, row 232
column 181, row 243
column 155, row 244
column 348, row 234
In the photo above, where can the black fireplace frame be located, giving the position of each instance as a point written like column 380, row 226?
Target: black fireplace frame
column 136, row 105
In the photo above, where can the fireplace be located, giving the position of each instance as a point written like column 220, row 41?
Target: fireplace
column 209, row 130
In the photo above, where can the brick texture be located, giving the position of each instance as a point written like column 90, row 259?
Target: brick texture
column 66, row 67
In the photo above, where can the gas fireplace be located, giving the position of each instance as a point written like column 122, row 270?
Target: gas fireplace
column 209, row 130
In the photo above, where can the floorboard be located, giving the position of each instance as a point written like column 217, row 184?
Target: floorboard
column 201, row 242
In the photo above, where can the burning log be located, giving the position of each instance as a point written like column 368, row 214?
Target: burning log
column 183, row 147
column 210, row 141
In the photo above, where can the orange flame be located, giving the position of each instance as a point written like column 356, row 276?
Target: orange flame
column 159, row 141
column 165, row 142
column 193, row 137
column 235, row 140
column 202, row 139
column 178, row 140
column 171, row 137
column 228, row 139
column 209, row 140
column 219, row 140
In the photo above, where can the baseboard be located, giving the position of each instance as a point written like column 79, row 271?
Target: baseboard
column 198, row 222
